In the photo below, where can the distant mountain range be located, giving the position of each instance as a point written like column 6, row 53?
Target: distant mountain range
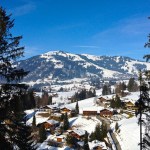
column 59, row 65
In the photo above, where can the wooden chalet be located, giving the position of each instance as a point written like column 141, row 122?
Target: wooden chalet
column 77, row 133
column 97, row 145
column 130, row 105
column 89, row 112
column 102, row 99
column 51, row 124
column 70, row 111
column 61, row 138
column 106, row 113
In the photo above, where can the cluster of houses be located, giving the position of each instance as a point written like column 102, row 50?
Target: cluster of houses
column 53, row 114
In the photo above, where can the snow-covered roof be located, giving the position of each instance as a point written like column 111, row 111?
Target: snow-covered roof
column 92, row 108
column 68, row 107
column 80, row 132
column 52, row 121
column 97, row 143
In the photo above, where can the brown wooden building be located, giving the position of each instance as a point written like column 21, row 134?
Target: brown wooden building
column 51, row 124
column 77, row 133
column 106, row 113
column 89, row 112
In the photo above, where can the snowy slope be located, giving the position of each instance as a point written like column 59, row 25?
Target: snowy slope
column 58, row 65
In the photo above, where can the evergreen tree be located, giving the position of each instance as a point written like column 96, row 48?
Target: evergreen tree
column 98, row 135
column 117, row 102
column 112, row 103
column 116, row 126
column 86, row 145
column 92, row 136
column 77, row 108
column 132, row 85
column 10, row 90
column 34, row 122
column 143, row 104
column 103, row 130
column 50, row 100
column 70, row 140
column 66, row 122
column 42, row 133
column 106, row 90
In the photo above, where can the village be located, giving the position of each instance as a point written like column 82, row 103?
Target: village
column 82, row 117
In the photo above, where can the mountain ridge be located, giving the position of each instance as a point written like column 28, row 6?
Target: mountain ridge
column 60, row 65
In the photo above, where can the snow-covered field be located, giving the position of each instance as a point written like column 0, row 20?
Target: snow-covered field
column 129, row 135
column 84, row 123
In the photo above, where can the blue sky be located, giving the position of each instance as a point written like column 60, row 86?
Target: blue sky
column 99, row 27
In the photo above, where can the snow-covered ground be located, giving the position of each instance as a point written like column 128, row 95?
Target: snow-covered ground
column 129, row 135
column 84, row 123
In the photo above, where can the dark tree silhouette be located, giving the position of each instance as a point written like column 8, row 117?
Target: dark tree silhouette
column 66, row 122
column 143, row 104
column 86, row 145
column 13, row 130
column 42, row 133
column 77, row 107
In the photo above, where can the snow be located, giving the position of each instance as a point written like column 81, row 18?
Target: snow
column 92, row 57
column 84, row 123
column 80, row 132
column 129, row 135
column 96, row 143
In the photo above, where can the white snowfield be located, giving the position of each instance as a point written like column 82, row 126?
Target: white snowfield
column 129, row 135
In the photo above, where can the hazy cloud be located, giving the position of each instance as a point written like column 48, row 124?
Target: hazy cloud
column 86, row 46
column 23, row 9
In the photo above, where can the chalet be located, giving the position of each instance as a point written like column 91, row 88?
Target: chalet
column 130, row 105
column 91, row 111
column 46, row 108
column 77, row 133
column 51, row 124
column 61, row 138
column 97, row 145
column 56, row 116
column 50, row 108
column 68, row 110
column 102, row 99
column 106, row 113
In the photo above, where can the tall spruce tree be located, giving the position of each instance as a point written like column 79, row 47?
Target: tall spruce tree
column 12, row 125
column 66, row 122
column 86, row 145
column 42, row 133
column 143, row 104
column 77, row 107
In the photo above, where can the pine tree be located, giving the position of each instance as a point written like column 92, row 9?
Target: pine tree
column 143, row 104
column 116, row 126
column 132, row 85
column 98, row 135
column 106, row 90
column 12, row 126
column 86, row 145
column 92, row 136
column 42, row 133
column 34, row 122
column 117, row 102
column 77, row 108
column 103, row 130
column 70, row 140
column 50, row 100
column 66, row 122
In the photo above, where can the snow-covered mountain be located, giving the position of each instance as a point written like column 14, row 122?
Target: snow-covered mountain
column 63, row 66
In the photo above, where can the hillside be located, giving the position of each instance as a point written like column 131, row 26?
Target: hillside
column 59, row 65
